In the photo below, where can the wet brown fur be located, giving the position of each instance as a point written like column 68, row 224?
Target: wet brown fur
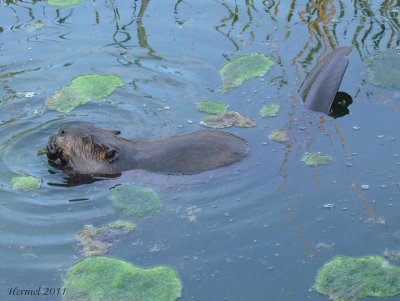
column 89, row 150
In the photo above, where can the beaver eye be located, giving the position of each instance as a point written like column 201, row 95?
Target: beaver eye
column 62, row 132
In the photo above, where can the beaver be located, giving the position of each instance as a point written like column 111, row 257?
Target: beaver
column 88, row 150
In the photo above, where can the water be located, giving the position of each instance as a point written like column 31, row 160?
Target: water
column 265, row 225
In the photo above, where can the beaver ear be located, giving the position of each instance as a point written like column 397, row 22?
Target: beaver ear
column 112, row 154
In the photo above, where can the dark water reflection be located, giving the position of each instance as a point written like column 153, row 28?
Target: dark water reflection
column 260, row 223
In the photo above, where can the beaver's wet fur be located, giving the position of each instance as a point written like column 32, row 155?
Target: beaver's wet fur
column 86, row 149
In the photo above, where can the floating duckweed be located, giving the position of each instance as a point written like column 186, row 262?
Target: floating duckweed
column 135, row 200
column 347, row 279
column 243, row 68
column 25, row 183
column 105, row 278
column 269, row 110
column 125, row 226
column 62, row 3
column 392, row 255
column 34, row 25
column 316, row 159
column 211, row 107
column 226, row 120
column 97, row 240
column 81, row 90
column 383, row 69
column 278, row 135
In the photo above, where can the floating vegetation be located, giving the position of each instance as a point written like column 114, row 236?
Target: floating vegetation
column 105, row 278
column 135, row 200
column 269, row 110
column 211, row 107
column 41, row 152
column 97, row 240
column 26, row 94
column 25, row 183
column 383, row 69
column 392, row 255
column 347, row 279
column 278, row 135
column 316, row 159
column 34, row 25
column 81, row 90
column 63, row 3
column 243, row 68
column 226, row 120
column 191, row 214
column 14, row 73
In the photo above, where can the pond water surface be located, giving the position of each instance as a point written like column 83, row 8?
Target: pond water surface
column 256, row 230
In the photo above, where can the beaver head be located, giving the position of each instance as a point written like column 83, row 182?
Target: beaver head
column 85, row 149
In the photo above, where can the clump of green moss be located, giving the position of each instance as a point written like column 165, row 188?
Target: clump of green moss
column 243, row 68
column 347, row 279
column 135, row 200
column 105, row 278
column 278, row 135
column 269, row 110
column 63, row 3
column 316, row 159
column 97, row 240
column 211, row 107
column 25, row 183
column 383, row 69
column 226, row 120
column 81, row 90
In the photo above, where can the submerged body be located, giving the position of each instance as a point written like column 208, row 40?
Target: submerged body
column 89, row 150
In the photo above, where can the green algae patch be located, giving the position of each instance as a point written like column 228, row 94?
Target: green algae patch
column 226, row 120
column 244, row 68
column 106, row 278
column 316, row 159
column 63, row 3
column 81, row 90
column 96, row 241
column 25, row 183
column 211, row 107
column 135, row 200
column 269, row 110
column 383, row 69
column 278, row 136
column 347, row 279
column 34, row 25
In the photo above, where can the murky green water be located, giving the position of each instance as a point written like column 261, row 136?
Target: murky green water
column 262, row 227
